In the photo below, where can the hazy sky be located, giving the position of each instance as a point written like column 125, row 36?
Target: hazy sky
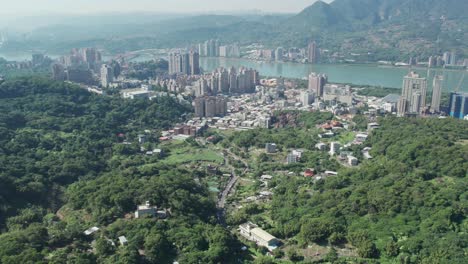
column 28, row 7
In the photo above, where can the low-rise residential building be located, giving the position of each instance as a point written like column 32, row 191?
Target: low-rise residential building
column 353, row 161
column 146, row 210
column 321, row 146
column 91, row 230
column 142, row 139
column 366, row 154
column 186, row 130
column 327, row 135
column 270, row 148
column 291, row 158
column 298, row 153
column 331, row 173
column 309, row 173
column 123, row 240
column 135, row 93
column 361, row 137
column 253, row 233
column 334, row 148
column 372, row 126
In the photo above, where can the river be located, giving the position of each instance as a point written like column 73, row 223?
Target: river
column 341, row 73
column 358, row 74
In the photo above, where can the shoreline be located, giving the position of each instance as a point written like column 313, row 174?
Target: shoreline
column 358, row 64
column 14, row 56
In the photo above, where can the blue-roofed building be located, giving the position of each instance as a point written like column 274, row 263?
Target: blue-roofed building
column 458, row 107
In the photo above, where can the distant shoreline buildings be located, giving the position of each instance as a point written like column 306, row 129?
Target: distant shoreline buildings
column 213, row 48
column 84, row 66
column 313, row 53
column 184, row 63
column 232, row 81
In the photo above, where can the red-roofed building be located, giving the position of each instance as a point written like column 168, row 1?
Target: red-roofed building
column 309, row 173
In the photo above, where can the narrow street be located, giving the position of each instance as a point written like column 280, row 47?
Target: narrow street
column 221, row 203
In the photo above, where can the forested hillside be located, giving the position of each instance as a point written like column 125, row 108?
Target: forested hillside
column 70, row 160
column 61, row 149
column 409, row 204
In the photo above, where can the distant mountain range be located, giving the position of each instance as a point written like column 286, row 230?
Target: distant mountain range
column 361, row 14
column 385, row 29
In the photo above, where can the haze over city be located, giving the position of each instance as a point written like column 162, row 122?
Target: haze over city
column 28, row 7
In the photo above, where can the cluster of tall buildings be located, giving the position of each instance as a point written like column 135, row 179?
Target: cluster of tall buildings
column 317, row 83
column 72, row 74
column 450, row 58
column 229, row 51
column 213, row 48
column 89, row 57
column 184, row 63
column 413, row 96
column 267, row 54
column 413, row 99
column 209, row 49
column 447, row 59
column 210, row 106
column 232, row 81
column 84, row 66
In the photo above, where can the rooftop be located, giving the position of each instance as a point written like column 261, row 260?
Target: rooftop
column 91, row 230
column 264, row 235
column 391, row 98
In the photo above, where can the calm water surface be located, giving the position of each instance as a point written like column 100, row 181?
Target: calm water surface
column 356, row 74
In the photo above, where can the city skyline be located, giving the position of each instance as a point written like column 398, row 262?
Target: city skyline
column 25, row 7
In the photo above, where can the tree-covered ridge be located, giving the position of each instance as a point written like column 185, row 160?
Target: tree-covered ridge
column 68, row 151
column 52, row 134
column 408, row 204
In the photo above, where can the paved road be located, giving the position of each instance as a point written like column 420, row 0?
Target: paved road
column 229, row 186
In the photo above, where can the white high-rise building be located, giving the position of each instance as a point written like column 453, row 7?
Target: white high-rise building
column 107, row 75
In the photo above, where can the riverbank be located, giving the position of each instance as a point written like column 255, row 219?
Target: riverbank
column 357, row 74
column 371, row 64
